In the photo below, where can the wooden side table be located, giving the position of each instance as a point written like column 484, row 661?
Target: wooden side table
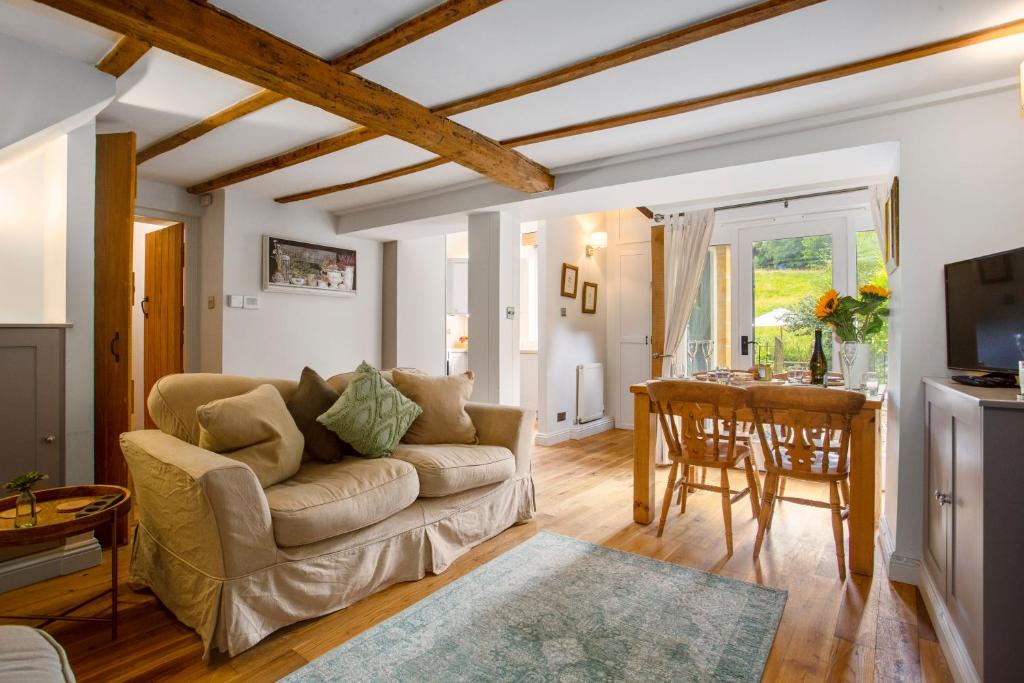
column 53, row 525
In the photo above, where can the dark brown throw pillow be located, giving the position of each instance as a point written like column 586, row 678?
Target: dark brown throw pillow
column 312, row 399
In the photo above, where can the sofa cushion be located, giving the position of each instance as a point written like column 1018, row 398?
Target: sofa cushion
column 371, row 415
column 28, row 654
column 445, row 469
column 256, row 429
column 329, row 499
column 173, row 400
column 311, row 400
column 443, row 401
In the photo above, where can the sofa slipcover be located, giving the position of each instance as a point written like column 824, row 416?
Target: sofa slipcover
column 205, row 542
column 29, row 654
column 330, row 499
column 445, row 469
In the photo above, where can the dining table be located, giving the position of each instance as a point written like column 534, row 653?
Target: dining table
column 864, row 505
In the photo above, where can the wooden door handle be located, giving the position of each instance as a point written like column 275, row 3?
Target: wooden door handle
column 142, row 305
column 113, row 347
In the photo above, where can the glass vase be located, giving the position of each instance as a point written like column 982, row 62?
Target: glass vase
column 25, row 514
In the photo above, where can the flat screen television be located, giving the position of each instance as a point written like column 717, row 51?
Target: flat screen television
column 985, row 312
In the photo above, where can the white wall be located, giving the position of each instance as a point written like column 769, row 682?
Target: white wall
column 421, row 304
column 45, row 94
column 33, row 224
column 578, row 337
column 289, row 331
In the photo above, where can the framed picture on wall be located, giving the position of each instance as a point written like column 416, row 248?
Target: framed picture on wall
column 590, row 297
column 892, row 227
column 570, row 275
column 304, row 268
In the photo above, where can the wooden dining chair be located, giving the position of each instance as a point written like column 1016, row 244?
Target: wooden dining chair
column 805, row 434
column 698, row 420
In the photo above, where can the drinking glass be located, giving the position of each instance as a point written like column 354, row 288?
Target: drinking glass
column 677, row 370
column 870, row 382
column 691, row 353
column 707, row 349
column 795, row 375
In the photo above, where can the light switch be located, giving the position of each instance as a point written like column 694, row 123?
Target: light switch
column 251, row 302
column 563, row 311
column 211, row 302
column 234, row 300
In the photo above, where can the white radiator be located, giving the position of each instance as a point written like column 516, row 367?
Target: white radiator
column 589, row 392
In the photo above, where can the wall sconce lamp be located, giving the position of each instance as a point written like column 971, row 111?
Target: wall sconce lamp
column 596, row 240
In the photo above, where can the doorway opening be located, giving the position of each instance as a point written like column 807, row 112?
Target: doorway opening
column 158, row 309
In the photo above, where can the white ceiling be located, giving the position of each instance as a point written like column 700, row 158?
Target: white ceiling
column 514, row 40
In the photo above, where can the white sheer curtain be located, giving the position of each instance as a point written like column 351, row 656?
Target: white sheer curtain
column 687, row 239
column 878, row 195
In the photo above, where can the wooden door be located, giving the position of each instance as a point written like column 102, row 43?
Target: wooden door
column 659, row 364
column 163, row 308
column 115, row 207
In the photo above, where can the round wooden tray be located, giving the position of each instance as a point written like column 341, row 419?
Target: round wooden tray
column 53, row 523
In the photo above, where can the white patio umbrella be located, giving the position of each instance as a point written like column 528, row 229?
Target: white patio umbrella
column 773, row 318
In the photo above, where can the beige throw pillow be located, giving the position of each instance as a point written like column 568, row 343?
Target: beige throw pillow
column 254, row 428
column 443, row 401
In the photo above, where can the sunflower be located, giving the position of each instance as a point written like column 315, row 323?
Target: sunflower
column 827, row 304
column 875, row 290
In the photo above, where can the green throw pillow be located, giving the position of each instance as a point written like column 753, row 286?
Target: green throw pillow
column 371, row 415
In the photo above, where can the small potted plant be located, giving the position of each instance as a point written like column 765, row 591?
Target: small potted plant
column 25, row 514
column 853, row 320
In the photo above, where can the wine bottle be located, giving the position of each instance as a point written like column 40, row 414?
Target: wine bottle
column 818, row 364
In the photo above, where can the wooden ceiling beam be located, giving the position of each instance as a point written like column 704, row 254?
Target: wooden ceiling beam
column 263, row 98
column 220, row 41
column 754, row 14
column 685, row 106
column 420, row 26
column 779, row 85
column 747, row 16
column 296, row 156
column 122, row 56
column 379, row 178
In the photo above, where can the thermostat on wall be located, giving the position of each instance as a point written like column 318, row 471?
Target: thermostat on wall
column 251, row 302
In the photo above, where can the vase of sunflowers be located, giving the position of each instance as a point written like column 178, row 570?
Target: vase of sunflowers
column 853, row 320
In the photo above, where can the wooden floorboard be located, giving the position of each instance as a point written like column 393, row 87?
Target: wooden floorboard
column 866, row 629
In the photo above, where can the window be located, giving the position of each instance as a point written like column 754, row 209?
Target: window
column 711, row 317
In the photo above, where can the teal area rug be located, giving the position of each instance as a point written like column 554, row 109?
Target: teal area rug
column 558, row 609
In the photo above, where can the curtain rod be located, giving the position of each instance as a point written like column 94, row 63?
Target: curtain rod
column 661, row 216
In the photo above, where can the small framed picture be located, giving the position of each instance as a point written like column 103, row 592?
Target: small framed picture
column 590, row 297
column 303, row 268
column 892, row 227
column 570, row 275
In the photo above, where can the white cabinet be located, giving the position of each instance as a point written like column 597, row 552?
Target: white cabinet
column 457, row 287
column 458, row 362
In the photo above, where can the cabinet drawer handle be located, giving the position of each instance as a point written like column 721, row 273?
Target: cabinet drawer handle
column 943, row 498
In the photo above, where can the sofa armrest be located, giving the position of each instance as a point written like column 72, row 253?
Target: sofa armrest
column 506, row 426
column 204, row 507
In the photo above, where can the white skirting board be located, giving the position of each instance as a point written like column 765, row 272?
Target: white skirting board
column 576, row 432
column 901, row 568
column 953, row 648
column 74, row 556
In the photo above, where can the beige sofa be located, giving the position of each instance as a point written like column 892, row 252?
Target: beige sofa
column 236, row 562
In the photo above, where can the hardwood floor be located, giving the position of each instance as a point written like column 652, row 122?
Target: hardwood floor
column 863, row 630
